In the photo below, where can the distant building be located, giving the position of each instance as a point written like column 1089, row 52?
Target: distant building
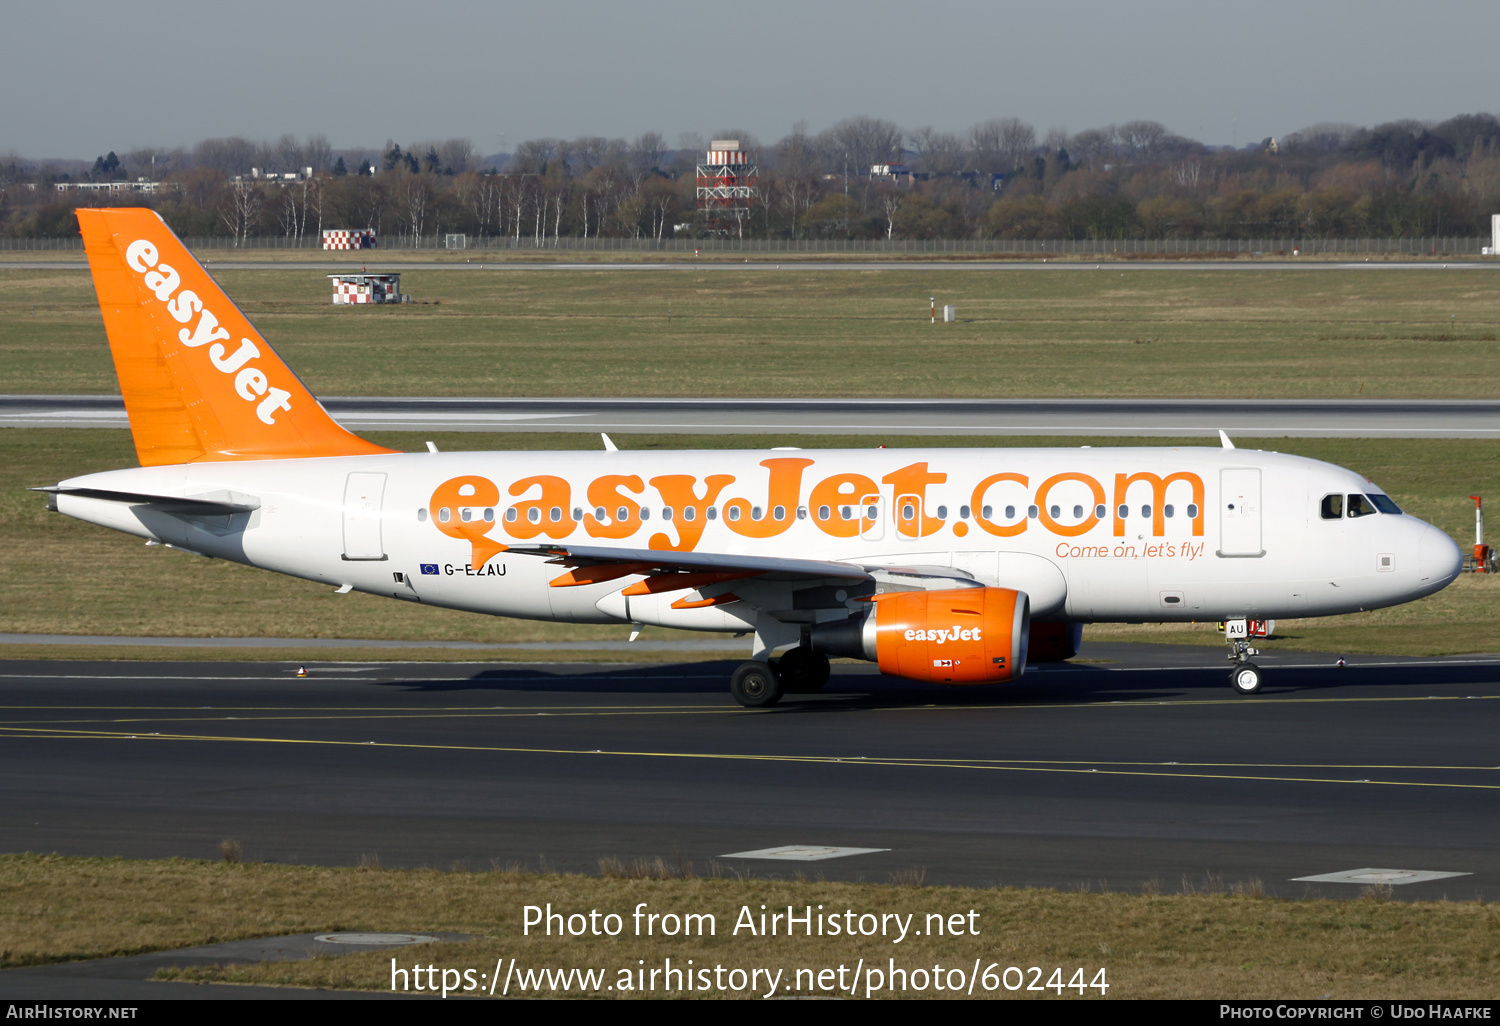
column 276, row 177
column 139, row 185
column 356, row 289
column 349, row 238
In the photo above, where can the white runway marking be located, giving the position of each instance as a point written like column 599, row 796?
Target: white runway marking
column 1392, row 877
column 801, row 853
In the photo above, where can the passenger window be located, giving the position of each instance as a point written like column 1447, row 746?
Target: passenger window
column 1193, row 510
column 1333, row 507
column 1167, row 511
column 963, row 512
column 1359, row 506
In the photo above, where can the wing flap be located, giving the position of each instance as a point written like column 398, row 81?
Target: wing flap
column 652, row 561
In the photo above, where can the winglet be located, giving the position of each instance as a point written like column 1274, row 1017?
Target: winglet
column 199, row 381
column 1224, row 440
column 609, row 446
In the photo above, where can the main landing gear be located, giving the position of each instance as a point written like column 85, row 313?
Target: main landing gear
column 801, row 671
column 1245, row 677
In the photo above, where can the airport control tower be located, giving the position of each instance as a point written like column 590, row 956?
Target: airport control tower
column 727, row 187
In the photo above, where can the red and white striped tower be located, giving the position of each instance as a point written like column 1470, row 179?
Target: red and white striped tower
column 728, row 187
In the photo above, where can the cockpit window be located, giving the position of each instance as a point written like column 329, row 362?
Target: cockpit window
column 1359, row 506
column 1383, row 503
column 1333, row 507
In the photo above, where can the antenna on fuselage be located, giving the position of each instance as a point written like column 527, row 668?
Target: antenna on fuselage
column 1224, row 440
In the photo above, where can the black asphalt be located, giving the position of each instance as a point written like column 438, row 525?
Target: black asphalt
column 1101, row 775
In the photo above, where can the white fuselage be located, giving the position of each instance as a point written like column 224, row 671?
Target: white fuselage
column 1147, row 534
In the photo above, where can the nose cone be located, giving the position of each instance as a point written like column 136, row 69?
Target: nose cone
column 1439, row 559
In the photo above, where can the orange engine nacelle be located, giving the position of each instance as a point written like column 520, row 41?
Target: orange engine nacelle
column 959, row 636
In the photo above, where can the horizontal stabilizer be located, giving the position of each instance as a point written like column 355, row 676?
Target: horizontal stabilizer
column 166, row 503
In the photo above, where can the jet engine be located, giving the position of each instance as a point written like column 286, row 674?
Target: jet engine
column 956, row 636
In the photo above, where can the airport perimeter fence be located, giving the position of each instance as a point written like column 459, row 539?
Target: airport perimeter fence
column 1040, row 248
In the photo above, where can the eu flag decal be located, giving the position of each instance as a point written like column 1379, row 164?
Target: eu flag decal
column 429, row 568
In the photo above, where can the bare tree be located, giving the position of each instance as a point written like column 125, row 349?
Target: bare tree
column 416, row 196
column 866, row 140
column 240, row 208
column 647, row 153
column 456, row 155
column 231, row 156
column 1143, row 140
column 890, row 202
column 317, row 153
column 1002, row 144
column 937, row 152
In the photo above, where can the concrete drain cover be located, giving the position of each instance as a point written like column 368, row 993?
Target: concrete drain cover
column 385, row 940
column 801, row 853
column 1391, row 877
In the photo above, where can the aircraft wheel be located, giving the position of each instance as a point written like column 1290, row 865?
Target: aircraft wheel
column 803, row 671
column 1245, row 678
column 755, row 684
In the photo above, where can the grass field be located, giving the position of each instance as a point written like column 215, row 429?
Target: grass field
column 62, row 576
column 809, row 332
column 1212, row 939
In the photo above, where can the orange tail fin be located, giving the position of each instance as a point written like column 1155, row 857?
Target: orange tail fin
column 199, row 381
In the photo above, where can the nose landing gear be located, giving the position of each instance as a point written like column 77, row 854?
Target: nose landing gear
column 1245, row 677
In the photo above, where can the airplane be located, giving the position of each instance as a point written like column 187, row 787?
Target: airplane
column 954, row 566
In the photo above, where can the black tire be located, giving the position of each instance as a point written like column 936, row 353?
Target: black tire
column 1245, row 678
column 803, row 671
column 755, row 685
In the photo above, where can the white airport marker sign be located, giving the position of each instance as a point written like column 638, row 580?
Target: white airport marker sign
column 801, row 853
column 1391, row 877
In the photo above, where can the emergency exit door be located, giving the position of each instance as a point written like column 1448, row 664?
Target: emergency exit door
column 1240, row 513
column 362, row 497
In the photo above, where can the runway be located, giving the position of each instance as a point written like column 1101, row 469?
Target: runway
column 1141, row 766
column 1245, row 418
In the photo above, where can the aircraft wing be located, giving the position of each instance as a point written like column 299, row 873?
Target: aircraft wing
column 667, row 570
column 664, row 561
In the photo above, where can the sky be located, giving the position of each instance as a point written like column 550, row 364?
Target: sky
column 89, row 77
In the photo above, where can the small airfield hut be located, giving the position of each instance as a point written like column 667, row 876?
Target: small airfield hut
column 367, row 288
column 349, row 238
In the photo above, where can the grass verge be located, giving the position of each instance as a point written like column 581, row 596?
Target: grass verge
column 1211, row 941
column 817, row 332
